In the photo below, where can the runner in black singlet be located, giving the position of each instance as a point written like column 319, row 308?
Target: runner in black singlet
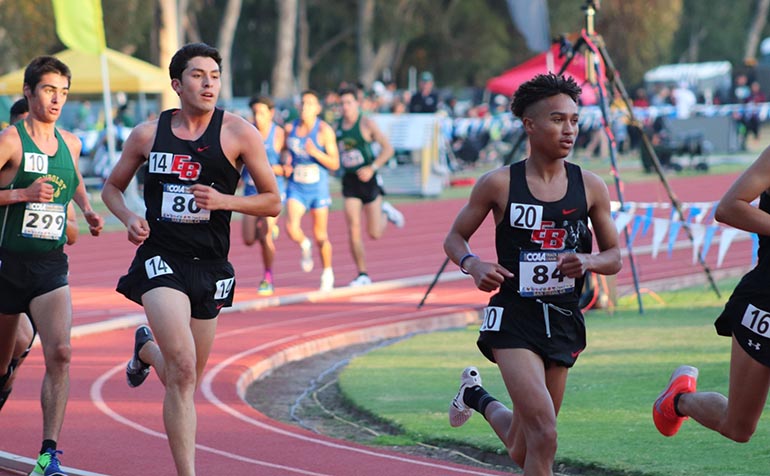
column 181, row 274
column 533, row 328
column 745, row 320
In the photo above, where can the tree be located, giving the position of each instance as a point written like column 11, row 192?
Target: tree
column 225, row 45
column 286, row 40
column 755, row 32
column 371, row 61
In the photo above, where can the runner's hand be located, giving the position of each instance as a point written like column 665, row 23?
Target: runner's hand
column 39, row 191
column 207, row 197
column 488, row 276
column 573, row 265
column 138, row 230
column 95, row 222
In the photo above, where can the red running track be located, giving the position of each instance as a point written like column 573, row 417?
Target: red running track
column 111, row 429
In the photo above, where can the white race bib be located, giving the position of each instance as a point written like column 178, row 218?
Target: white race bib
column 493, row 317
column 224, row 287
column 44, row 220
column 757, row 320
column 307, row 173
column 155, row 266
column 35, row 163
column 179, row 206
column 351, row 158
column 539, row 276
column 526, row 216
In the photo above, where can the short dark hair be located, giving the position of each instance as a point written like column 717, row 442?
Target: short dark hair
column 311, row 92
column 44, row 65
column 17, row 109
column 188, row 52
column 262, row 99
column 541, row 87
column 348, row 90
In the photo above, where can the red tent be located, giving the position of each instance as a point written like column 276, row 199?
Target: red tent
column 507, row 82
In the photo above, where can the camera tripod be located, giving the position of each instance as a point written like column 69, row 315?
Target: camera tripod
column 599, row 67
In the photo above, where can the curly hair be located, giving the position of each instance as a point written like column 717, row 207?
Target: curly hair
column 540, row 87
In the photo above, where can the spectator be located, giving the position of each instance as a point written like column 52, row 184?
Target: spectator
column 684, row 100
column 751, row 119
column 425, row 100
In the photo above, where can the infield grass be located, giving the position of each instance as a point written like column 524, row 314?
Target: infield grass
column 605, row 422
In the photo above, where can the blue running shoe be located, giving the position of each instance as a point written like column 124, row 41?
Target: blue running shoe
column 48, row 464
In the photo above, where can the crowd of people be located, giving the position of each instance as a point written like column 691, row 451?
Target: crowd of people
column 548, row 213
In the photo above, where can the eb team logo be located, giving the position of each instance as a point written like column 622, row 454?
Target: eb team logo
column 181, row 165
column 550, row 238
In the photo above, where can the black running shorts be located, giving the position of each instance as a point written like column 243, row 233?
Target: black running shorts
column 520, row 323
column 747, row 317
column 367, row 192
column 25, row 276
column 210, row 284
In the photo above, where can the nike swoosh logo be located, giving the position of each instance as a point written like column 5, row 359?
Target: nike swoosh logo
column 220, row 306
column 201, row 149
column 575, row 354
column 569, row 211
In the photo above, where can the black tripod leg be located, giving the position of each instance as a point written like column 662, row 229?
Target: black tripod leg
column 435, row 280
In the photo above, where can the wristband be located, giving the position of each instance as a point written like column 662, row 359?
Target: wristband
column 374, row 167
column 462, row 260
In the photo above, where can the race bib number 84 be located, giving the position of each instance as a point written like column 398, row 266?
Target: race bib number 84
column 539, row 275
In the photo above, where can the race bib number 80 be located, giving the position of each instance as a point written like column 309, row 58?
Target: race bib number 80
column 179, row 205
column 539, row 276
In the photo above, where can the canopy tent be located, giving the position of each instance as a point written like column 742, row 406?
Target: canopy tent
column 127, row 74
column 510, row 80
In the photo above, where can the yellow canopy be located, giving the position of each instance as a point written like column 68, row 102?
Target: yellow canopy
column 127, row 74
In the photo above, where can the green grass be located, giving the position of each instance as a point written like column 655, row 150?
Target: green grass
column 605, row 420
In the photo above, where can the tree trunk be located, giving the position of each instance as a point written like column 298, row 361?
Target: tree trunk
column 304, row 64
column 755, row 32
column 168, row 43
column 225, row 46
column 286, row 39
column 366, row 73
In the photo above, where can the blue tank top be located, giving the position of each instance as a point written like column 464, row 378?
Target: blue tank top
column 306, row 170
column 273, row 157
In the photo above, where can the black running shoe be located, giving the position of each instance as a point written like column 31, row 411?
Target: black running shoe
column 136, row 370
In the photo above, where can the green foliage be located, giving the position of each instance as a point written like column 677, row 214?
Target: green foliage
column 605, row 421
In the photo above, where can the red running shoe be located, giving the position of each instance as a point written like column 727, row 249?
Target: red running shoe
column 683, row 380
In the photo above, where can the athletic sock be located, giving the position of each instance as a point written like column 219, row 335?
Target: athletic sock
column 676, row 406
column 269, row 275
column 48, row 445
column 478, row 398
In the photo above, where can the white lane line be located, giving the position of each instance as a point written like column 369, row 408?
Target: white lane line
column 207, row 390
column 99, row 402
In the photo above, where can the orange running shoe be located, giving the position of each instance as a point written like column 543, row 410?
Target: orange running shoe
column 683, row 380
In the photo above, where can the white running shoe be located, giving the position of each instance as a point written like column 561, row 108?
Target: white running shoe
column 459, row 413
column 307, row 256
column 394, row 216
column 361, row 280
column 327, row 279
